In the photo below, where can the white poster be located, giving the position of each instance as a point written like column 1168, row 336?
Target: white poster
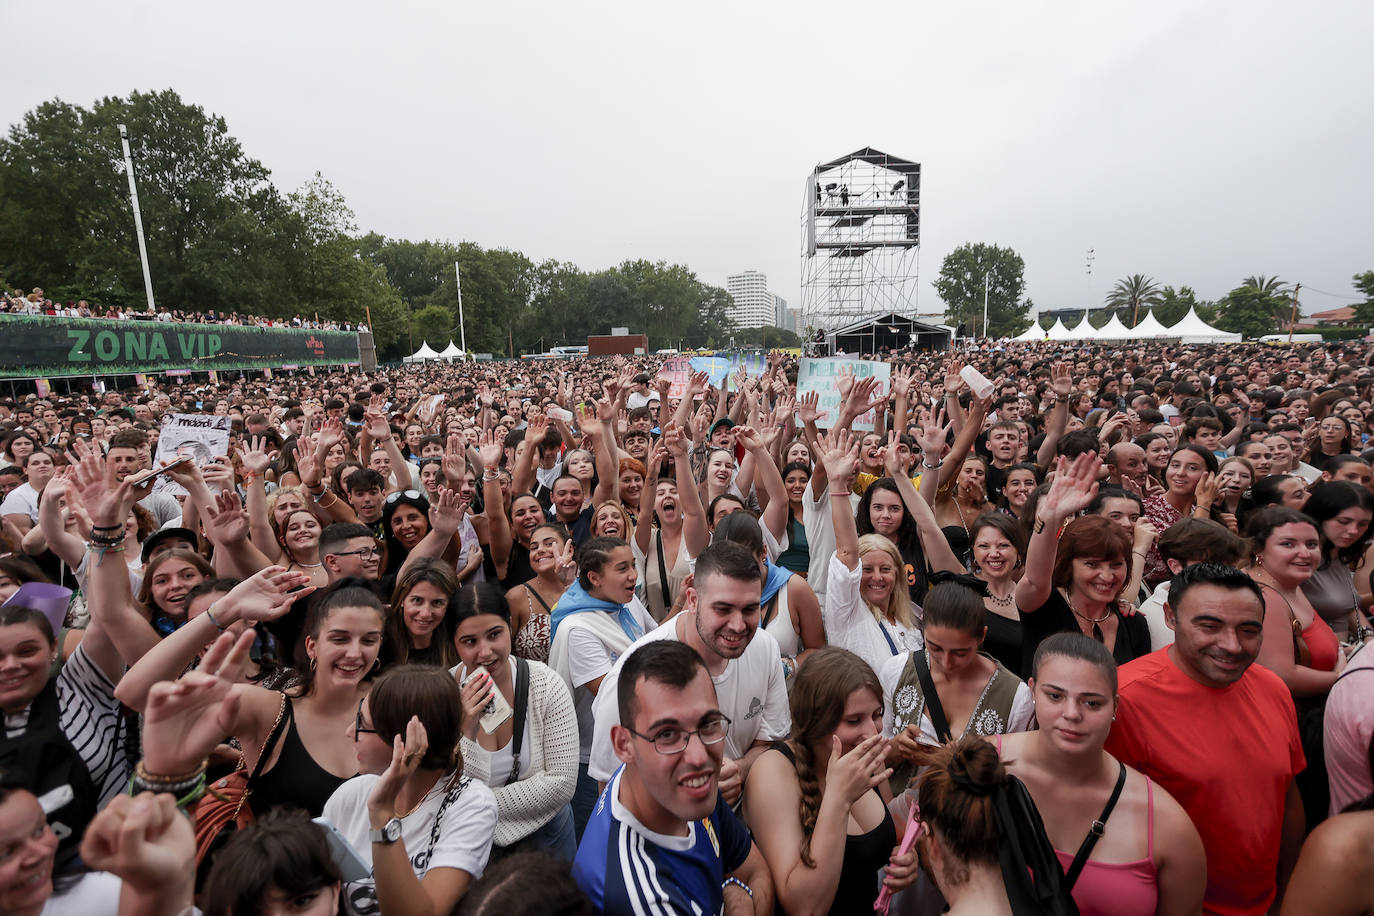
column 201, row 436
column 821, row 375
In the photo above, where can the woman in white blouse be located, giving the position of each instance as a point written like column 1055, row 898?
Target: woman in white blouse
column 865, row 610
column 530, row 759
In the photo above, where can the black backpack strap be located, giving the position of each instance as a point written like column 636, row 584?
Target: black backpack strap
column 522, row 702
column 1098, row 828
column 770, row 609
column 933, row 707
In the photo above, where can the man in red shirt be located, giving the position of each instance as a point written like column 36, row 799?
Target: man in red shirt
column 1220, row 733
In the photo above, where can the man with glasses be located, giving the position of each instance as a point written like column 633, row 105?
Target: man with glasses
column 350, row 550
column 662, row 838
column 721, row 623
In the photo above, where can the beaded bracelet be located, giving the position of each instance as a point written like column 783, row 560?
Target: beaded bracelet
column 151, row 779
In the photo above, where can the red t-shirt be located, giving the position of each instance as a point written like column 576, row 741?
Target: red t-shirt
column 1228, row 755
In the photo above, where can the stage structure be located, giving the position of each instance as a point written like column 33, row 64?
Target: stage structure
column 861, row 237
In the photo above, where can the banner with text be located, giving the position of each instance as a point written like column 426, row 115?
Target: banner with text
column 203, row 438
column 41, row 346
column 821, row 376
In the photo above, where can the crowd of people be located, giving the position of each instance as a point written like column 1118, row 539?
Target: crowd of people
column 36, row 302
column 578, row 637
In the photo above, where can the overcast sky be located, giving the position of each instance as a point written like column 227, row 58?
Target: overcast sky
column 1196, row 142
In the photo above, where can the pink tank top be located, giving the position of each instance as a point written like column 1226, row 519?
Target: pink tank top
column 1119, row 889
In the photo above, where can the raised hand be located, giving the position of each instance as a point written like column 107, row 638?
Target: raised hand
column 1061, row 380
column 901, row 382
column 953, row 380
column 588, row 423
column 657, row 455
column 697, row 384
column 255, row 458
column 265, row 595
column 566, row 565
column 225, row 519
column 185, row 719
column 331, row 434
column 107, row 500
column 145, row 840
column 749, row 438
column 844, row 381
column 455, row 462
column 892, row 459
column 377, row 427
column 446, row 512
column 489, row 448
column 1074, row 486
column 934, row 435
column 1144, row 535
column 839, row 453
column 807, row 407
column 674, row 441
column 308, row 465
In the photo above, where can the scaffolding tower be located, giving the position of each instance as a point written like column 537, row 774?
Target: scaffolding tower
column 861, row 238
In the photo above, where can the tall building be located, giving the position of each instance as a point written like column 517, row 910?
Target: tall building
column 753, row 305
column 779, row 312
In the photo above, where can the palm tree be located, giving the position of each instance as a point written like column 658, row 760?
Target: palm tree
column 1278, row 292
column 1133, row 292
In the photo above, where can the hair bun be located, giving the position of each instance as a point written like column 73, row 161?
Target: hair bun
column 976, row 768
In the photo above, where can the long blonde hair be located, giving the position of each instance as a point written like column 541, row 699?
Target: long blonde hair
column 899, row 602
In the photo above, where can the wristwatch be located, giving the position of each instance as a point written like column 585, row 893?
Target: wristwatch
column 390, row 832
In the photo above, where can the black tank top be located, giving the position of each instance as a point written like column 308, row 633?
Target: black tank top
column 295, row 780
column 864, row 854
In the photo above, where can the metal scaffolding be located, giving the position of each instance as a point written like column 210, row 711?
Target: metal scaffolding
column 861, row 236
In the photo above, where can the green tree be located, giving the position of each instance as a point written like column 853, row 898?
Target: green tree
column 1251, row 310
column 1174, row 304
column 1128, row 296
column 1364, row 311
column 434, row 324
column 961, row 285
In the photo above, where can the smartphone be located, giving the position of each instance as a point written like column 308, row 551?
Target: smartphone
column 351, row 865
column 143, row 477
column 497, row 710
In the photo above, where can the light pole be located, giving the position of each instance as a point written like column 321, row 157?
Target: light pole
column 985, row 303
column 138, row 216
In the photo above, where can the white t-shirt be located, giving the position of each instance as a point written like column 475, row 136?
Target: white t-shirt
column 751, row 691
column 95, row 894
column 22, row 500
column 501, row 758
column 464, row 840
column 588, row 659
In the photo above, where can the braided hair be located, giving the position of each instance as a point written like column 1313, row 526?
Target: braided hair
column 817, row 702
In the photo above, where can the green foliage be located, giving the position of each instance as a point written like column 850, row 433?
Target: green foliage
column 1364, row 311
column 961, row 285
column 767, row 337
column 1251, row 310
column 1174, row 304
column 1132, row 297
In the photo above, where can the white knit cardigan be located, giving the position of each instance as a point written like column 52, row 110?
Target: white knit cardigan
column 546, row 784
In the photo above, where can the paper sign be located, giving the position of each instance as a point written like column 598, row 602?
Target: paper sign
column 677, row 371
column 44, row 387
column 214, row 377
column 821, row 375
column 719, row 365
column 140, row 380
column 201, row 436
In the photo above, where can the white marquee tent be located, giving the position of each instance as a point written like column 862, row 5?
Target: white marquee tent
column 1059, row 332
column 1032, row 333
column 1192, row 329
column 451, row 352
column 1084, row 330
column 422, row 355
column 1150, row 328
column 1114, row 330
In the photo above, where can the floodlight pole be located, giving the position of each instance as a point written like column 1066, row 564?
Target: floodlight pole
column 985, row 303
column 138, row 216
column 462, row 329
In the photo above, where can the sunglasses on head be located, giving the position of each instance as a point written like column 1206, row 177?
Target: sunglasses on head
column 410, row 494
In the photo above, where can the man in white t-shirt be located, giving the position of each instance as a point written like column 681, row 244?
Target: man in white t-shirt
column 721, row 622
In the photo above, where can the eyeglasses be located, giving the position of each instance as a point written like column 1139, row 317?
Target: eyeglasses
column 358, row 728
column 363, row 552
column 410, row 494
column 671, row 740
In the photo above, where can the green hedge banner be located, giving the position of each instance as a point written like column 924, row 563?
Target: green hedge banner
column 33, row 346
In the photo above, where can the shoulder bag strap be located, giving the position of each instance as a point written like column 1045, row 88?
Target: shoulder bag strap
column 771, row 609
column 1098, row 828
column 522, row 702
column 892, row 646
column 663, row 574
column 933, row 707
column 273, row 737
column 538, row 597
